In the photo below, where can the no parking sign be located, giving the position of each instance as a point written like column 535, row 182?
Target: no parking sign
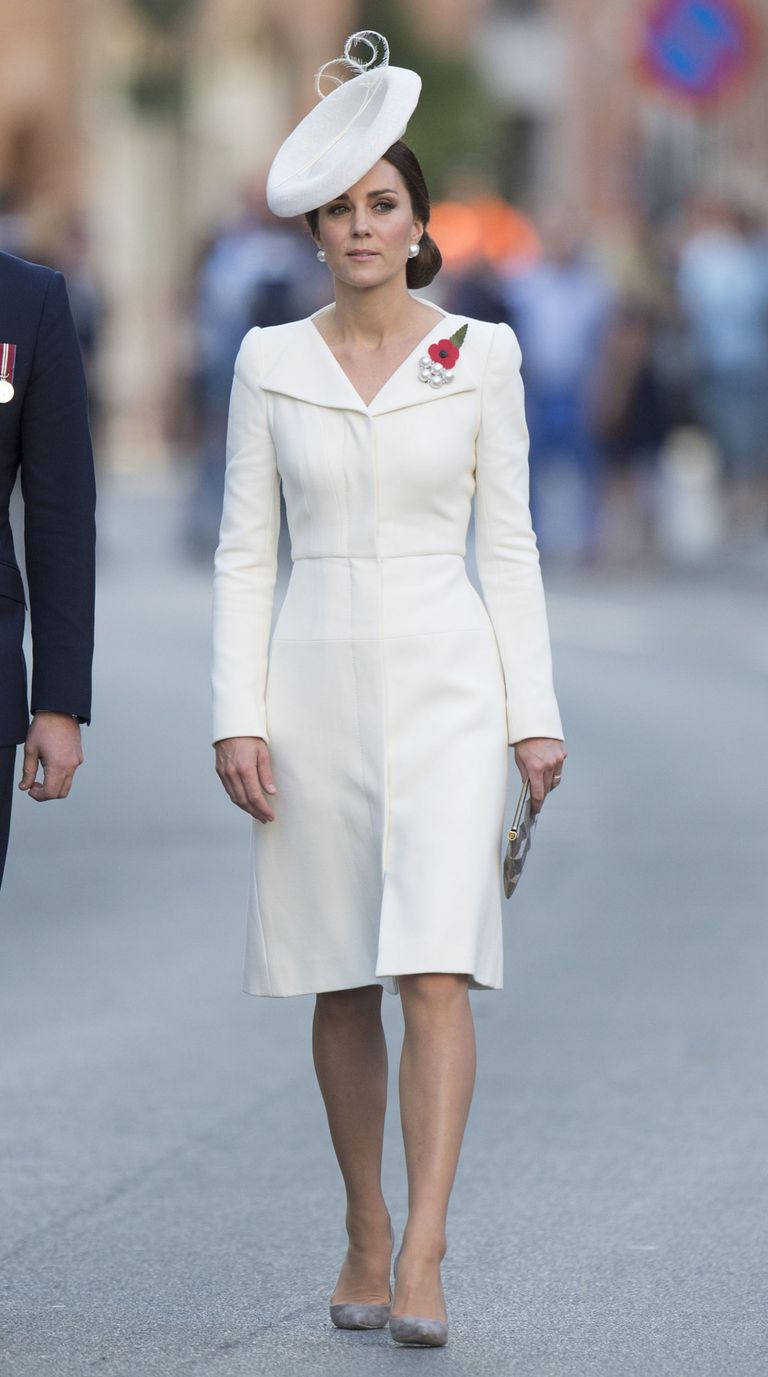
column 697, row 50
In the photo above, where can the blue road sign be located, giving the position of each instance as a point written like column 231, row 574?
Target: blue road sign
column 698, row 50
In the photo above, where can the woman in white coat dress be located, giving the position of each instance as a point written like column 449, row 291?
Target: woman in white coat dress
column 368, row 736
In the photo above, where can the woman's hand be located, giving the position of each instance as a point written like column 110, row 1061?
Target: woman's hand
column 540, row 759
column 242, row 764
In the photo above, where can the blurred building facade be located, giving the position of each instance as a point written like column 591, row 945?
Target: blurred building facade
column 146, row 119
column 598, row 136
column 41, row 114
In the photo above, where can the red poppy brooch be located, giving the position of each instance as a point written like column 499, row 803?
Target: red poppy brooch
column 437, row 365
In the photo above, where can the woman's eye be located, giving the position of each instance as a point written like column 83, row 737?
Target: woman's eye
column 389, row 205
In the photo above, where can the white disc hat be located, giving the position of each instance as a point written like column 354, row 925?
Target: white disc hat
column 346, row 133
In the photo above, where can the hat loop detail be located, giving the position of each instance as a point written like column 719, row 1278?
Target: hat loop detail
column 354, row 64
column 349, row 128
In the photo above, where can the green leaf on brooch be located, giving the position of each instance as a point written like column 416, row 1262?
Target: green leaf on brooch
column 458, row 337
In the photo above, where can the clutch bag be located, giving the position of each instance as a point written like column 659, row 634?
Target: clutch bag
column 519, row 839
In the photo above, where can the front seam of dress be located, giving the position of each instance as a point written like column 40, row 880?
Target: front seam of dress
column 382, row 658
column 342, row 504
column 363, row 767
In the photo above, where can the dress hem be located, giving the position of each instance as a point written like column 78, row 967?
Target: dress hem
column 389, row 983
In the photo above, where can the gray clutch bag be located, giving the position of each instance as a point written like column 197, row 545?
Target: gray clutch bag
column 519, row 839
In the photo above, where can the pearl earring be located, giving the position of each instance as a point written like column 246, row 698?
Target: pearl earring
column 413, row 250
column 321, row 255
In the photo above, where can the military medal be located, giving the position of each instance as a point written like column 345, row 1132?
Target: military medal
column 7, row 367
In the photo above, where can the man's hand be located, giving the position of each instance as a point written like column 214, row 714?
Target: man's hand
column 540, row 759
column 53, row 741
column 243, row 766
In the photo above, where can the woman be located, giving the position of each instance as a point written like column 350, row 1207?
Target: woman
column 370, row 738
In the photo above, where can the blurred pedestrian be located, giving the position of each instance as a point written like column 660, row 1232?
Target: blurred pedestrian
column 477, row 290
column 14, row 227
column 255, row 271
column 722, row 283
column 73, row 256
column 560, row 308
column 632, row 417
column 44, row 435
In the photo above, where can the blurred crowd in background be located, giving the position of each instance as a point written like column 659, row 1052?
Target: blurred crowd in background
column 646, row 378
column 644, row 339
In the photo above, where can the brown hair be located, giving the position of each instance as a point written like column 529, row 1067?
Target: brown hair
column 420, row 270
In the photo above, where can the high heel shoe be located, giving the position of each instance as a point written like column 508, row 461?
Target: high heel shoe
column 360, row 1315
column 417, row 1329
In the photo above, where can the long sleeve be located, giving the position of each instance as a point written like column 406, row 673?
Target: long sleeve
column 245, row 565
column 59, row 490
column 506, row 549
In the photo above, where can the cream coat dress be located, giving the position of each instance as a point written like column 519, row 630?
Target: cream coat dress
column 389, row 691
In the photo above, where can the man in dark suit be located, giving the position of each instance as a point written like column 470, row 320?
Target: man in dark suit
column 44, row 433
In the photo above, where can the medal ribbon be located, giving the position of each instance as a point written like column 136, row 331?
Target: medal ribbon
column 7, row 362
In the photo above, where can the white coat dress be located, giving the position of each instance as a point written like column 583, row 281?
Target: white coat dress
column 390, row 692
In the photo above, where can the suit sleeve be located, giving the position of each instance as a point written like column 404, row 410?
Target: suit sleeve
column 59, row 490
column 506, row 549
column 245, row 564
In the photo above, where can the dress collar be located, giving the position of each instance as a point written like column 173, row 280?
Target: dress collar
column 305, row 367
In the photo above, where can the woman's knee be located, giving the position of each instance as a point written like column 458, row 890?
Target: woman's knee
column 360, row 1002
column 431, row 991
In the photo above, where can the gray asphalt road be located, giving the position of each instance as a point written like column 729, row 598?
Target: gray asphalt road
column 171, row 1203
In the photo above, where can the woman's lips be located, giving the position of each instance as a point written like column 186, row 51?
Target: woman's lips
column 362, row 253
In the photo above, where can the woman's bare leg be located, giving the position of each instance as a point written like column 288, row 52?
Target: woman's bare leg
column 350, row 1057
column 437, row 1078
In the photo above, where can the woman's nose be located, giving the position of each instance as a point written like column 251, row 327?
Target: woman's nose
column 360, row 222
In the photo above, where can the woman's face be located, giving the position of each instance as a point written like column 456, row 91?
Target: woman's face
column 367, row 230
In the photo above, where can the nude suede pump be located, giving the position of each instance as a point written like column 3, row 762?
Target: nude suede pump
column 359, row 1315
column 417, row 1329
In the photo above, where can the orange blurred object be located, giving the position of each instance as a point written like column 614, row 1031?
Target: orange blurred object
column 457, row 231
column 487, row 228
column 507, row 233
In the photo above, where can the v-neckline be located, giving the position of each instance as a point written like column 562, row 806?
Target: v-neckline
column 418, row 345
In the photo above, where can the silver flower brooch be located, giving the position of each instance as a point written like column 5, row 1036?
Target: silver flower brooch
column 437, row 365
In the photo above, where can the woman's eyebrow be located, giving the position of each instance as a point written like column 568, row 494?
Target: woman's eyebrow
column 380, row 192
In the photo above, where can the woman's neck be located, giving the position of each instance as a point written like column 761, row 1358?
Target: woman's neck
column 368, row 316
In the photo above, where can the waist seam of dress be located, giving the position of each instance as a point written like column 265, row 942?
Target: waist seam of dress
column 386, row 636
column 410, row 554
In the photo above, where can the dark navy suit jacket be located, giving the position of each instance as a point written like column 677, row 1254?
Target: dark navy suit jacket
column 44, row 432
